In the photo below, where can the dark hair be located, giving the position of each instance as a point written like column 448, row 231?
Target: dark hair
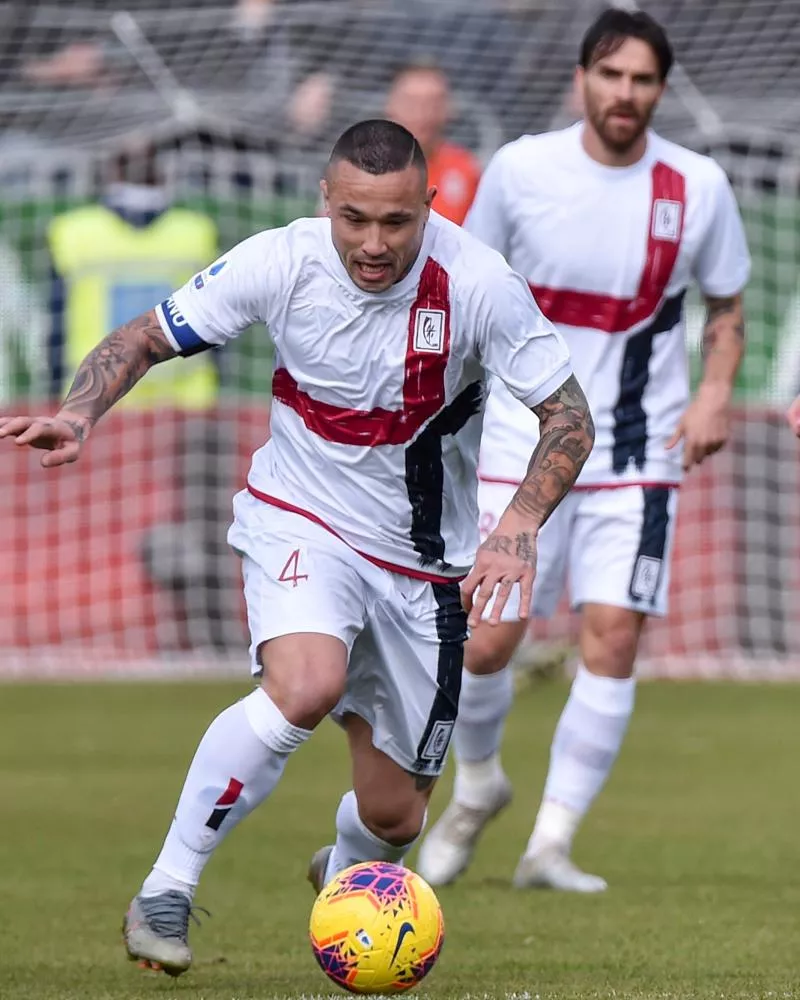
column 378, row 146
column 611, row 29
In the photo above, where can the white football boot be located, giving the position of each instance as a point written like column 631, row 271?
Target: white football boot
column 552, row 868
column 447, row 850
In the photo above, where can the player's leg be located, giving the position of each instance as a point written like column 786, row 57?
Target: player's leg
column 620, row 572
column 380, row 818
column 401, row 703
column 482, row 789
column 301, row 635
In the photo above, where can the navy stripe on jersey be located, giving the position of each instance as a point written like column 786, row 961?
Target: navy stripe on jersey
column 188, row 340
column 630, row 419
column 451, row 630
column 425, row 474
column 649, row 565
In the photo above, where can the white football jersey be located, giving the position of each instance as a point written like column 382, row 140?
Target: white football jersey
column 377, row 397
column 609, row 253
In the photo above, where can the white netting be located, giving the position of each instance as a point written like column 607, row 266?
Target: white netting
column 120, row 561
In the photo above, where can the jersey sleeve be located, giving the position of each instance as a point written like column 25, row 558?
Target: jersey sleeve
column 488, row 217
column 517, row 344
column 219, row 303
column 722, row 266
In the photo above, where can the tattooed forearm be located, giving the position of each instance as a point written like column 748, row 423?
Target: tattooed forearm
column 566, row 438
column 724, row 326
column 723, row 339
column 112, row 369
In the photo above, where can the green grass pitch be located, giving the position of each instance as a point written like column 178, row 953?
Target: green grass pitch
column 698, row 834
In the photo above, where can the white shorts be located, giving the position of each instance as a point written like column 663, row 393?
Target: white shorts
column 614, row 546
column 405, row 637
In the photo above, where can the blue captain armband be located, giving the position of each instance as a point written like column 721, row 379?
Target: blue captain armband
column 187, row 340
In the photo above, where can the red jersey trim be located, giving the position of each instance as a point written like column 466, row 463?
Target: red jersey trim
column 382, row 563
column 608, row 314
column 427, row 354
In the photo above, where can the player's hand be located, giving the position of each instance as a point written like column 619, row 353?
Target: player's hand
column 507, row 557
column 60, row 438
column 704, row 426
column 793, row 416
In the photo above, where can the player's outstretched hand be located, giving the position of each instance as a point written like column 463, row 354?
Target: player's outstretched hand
column 508, row 556
column 793, row 416
column 704, row 426
column 60, row 438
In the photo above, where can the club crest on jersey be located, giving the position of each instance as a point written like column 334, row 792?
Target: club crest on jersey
column 429, row 331
column 667, row 220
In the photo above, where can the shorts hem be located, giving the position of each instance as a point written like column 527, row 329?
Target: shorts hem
column 386, row 744
column 652, row 612
column 292, row 629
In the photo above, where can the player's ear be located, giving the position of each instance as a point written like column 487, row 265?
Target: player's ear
column 430, row 195
column 326, row 208
column 576, row 95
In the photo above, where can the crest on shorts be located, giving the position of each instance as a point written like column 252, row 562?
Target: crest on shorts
column 646, row 577
column 667, row 220
column 429, row 331
column 437, row 742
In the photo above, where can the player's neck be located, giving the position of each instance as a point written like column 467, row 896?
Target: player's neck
column 601, row 153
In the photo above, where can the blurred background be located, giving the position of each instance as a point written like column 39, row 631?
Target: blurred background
column 138, row 140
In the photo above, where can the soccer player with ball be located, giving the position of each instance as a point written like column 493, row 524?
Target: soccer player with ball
column 609, row 223
column 360, row 515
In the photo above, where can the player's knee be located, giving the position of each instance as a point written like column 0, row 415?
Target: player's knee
column 610, row 645
column 395, row 821
column 305, row 689
column 490, row 648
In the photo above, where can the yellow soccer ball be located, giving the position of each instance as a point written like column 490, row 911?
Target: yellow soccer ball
column 377, row 928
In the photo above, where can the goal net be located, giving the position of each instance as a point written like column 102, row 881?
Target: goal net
column 119, row 563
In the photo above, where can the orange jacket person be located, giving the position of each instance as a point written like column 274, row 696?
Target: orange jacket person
column 419, row 99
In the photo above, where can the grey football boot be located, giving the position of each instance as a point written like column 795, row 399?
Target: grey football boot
column 156, row 932
column 318, row 866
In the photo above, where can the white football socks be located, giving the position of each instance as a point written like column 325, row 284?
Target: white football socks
column 585, row 746
column 484, row 704
column 355, row 842
column 238, row 763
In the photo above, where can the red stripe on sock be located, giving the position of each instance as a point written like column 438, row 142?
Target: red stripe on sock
column 231, row 793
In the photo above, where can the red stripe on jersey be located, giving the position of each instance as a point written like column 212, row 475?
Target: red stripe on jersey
column 611, row 315
column 231, row 793
column 427, row 353
column 428, row 347
column 415, row 574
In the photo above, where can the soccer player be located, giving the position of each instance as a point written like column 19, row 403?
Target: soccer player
column 360, row 514
column 609, row 223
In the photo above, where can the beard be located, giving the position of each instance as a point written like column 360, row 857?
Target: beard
column 617, row 137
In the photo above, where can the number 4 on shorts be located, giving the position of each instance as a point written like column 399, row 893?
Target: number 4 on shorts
column 290, row 572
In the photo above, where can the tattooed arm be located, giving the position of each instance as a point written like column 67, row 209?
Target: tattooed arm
column 508, row 555
column 705, row 425
column 566, row 436
column 723, row 340
column 104, row 376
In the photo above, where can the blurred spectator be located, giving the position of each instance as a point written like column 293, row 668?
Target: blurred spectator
column 420, row 99
column 23, row 331
column 80, row 64
column 112, row 261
